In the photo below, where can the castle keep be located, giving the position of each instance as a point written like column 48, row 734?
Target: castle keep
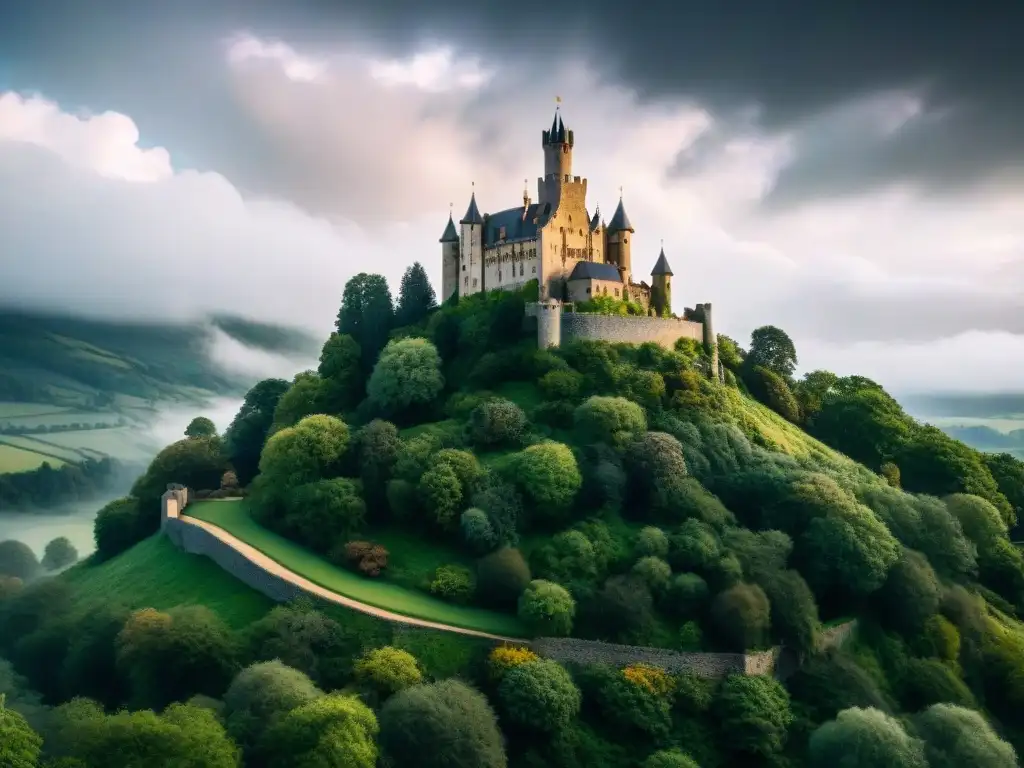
column 573, row 256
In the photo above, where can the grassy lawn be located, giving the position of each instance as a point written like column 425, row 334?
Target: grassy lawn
column 234, row 518
column 413, row 560
column 14, row 459
column 156, row 574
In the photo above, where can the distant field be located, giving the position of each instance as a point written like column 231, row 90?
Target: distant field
column 9, row 410
column 998, row 423
column 156, row 574
column 20, row 460
column 120, row 443
column 59, row 418
column 234, row 518
column 37, row 445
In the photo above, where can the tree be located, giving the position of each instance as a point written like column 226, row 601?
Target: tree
column 247, row 432
column 609, row 419
column 324, row 512
column 652, row 459
column 407, row 377
column 416, row 297
column 259, row 696
column 382, row 672
column 303, row 398
column 651, row 541
column 794, row 615
column 377, row 446
column 477, row 531
column 20, row 746
column 742, row 615
column 195, row 462
column 669, row 758
column 341, row 374
column 367, row 315
column 863, row 422
column 441, row 725
column 654, row 572
column 201, row 426
column 90, row 664
column 547, row 608
column 864, row 738
column 955, row 736
column 118, row 526
column 304, row 453
column 59, row 553
column 548, row 475
column 497, row 422
column 171, row 656
column 686, row 595
column 755, row 712
column 441, row 494
column 811, row 392
column 771, row 389
column 1008, row 472
column 334, row 731
column 540, row 694
column 771, row 348
column 910, row 593
column 17, row 560
column 851, row 548
column 304, row 639
column 502, row 576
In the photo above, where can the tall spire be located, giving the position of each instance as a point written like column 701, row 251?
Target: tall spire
column 661, row 266
column 473, row 212
column 450, row 235
column 620, row 221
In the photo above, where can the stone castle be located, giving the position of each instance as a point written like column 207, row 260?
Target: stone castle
column 573, row 256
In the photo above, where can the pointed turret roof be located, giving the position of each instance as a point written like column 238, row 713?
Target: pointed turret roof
column 595, row 222
column 661, row 266
column 450, row 234
column 620, row 221
column 472, row 213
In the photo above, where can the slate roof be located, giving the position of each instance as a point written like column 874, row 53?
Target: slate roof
column 450, row 234
column 620, row 221
column 472, row 213
column 661, row 266
column 595, row 221
column 593, row 270
column 517, row 227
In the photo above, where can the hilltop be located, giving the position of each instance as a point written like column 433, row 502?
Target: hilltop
column 439, row 465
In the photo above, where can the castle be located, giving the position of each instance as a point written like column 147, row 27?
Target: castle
column 573, row 256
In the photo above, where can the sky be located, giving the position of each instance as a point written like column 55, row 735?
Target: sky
column 850, row 172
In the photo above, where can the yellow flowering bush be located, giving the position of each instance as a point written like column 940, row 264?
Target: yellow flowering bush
column 504, row 657
column 654, row 679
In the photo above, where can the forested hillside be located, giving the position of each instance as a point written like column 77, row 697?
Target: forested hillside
column 601, row 491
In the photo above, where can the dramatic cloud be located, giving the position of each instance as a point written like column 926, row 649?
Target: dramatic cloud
column 296, row 159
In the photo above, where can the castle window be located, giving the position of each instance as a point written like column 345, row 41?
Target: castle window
column 499, row 275
column 465, row 281
column 501, row 233
column 616, row 292
column 474, row 282
column 520, row 270
column 463, row 267
column 588, row 289
column 535, row 270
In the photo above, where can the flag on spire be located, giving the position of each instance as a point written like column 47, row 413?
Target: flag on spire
column 558, row 99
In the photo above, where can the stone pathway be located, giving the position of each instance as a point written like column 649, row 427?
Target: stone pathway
column 273, row 567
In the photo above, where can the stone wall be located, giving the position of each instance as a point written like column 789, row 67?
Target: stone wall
column 630, row 330
column 837, row 636
column 709, row 665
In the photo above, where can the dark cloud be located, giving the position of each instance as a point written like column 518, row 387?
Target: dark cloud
column 793, row 58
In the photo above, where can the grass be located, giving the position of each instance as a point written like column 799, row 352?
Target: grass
column 55, row 418
column 413, row 561
column 233, row 517
column 36, row 445
column 156, row 574
column 118, row 442
column 11, row 409
column 14, row 459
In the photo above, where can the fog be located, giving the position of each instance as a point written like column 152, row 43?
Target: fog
column 36, row 529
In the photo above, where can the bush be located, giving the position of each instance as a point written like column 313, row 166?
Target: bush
column 548, row 475
column 304, row 453
column 501, row 577
column 504, row 657
column 332, row 730
column 59, row 553
column 477, row 531
column 687, row 594
column 325, row 511
column 910, row 594
column 386, row 671
column 741, row 615
column 955, row 737
column 669, row 758
column 654, row 572
column 929, row 681
column 624, row 605
column 772, row 390
column 407, row 377
column 452, row 582
column 864, row 737
column 440, row 725
column 547, row 608
column 441, row 494
column 17, row 560
column 364, row 556
column 540, row 695
column 651, row 541
column 609, row 419
column 654, row 679
column 755, row 712
column 120, row 525
column 561, row 385
column 497, row 422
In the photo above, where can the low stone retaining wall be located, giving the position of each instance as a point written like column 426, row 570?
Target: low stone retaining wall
column 711, row 665
column 837, row 636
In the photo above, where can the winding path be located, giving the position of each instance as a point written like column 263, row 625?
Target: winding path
column 273, row 567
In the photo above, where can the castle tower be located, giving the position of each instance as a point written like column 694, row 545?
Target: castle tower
column 471, row 250
column 619, row 233
column 661, row 286
column 557, row 143
column 449, row 261
column 549, row 323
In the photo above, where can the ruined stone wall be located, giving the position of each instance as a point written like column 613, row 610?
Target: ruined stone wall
column 630, row 330
column 709, row 665
column 837, row 636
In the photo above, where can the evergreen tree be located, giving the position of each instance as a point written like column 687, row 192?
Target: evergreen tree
column 416, row 297
column 367, row 314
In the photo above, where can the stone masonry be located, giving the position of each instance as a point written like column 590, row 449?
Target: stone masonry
column 628, row 329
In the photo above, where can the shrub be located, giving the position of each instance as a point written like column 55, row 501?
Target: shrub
column 502, row 658
column 452, row 582
column 477, row 531
column 609, row 419
column 548, row 475
column 930, row 681
column 407, row 376
column 441, row 494
column 366, row 557
column 864, row 737
column 651, row 541
column 322, row 512
column 654, row 679
column 304, row 453
column 755, row 712
column 741, row 615
column 59, row 553
column 540, row 694
column 332, row 730
column 624, row 605
column 687, row 594
column 17, row 560
column 691, row 637
column 119, row 525
column 385, row 671
column 910, row 594
column 772, row 390
column 654, row 571
column 547, row 608
column 954, row 737
column 669, row 758
column 561, row 385
column 497, row 422
column 556, row 413
column 502, row 576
